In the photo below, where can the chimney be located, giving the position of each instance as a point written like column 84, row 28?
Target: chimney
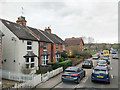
column 48, row 30
column 21, row 20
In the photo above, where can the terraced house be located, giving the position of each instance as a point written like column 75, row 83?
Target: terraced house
column 25, row 47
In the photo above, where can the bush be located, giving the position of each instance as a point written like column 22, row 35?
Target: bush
column 61, row 59
column 76, row 62
column 54, row 65
column 65, row 64
column 64, row 55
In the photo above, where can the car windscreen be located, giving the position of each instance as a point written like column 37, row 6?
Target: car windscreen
column 97, row 71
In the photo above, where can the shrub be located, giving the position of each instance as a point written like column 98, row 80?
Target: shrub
column 65, row 64
column 54, row 65
column 76, row 62
column 61, row 59
column 64, row 55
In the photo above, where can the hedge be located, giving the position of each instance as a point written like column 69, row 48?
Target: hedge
column 63, row 64
column 54, row 65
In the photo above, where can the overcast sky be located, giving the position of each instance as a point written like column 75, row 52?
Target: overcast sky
column 68, row 18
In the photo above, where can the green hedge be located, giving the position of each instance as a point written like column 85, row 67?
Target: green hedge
column 54, row 65
column 63, row 64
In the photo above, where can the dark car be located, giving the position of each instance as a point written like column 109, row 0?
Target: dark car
column 115, row 56
column 106, row 57
column 87, row 64
column 100, row 74
column 74, row 74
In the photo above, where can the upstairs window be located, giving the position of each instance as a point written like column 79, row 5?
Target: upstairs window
column 29, row 45
column 45, row 47
column 56, row 47
column 63, row 47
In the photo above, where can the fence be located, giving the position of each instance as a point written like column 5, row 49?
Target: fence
column 16, row 76
column 38, row 79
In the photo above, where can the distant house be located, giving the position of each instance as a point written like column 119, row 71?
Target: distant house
column 26, row 47
column 75, row 44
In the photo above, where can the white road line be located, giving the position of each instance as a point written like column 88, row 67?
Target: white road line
column 111, row 68
column 84, row 80
column 112, row 76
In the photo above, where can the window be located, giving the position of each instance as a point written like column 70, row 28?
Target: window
column 45, row 47
column 29, row 45
column 63, row 47
column 27, row 59
column 45, row 59
column 32, row 59
column 57, row 57
column 30, row 62
column 56, row 47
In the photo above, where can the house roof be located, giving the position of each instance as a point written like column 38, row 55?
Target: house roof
column 59, row 39
column 21, row 32
column 30, row 54
column 50, row 36
column 37, row 32
column 73, row 41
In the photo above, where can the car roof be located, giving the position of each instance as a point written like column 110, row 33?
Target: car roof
column 99, row 67
column 72, row 68
column 102, row 61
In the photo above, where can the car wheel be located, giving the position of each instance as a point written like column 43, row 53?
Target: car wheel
column 108, row 82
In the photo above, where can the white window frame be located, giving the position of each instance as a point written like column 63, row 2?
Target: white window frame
column 45, row 59
column 30, row 59
column 29, row 46
column 57, row 56
column 63, row 46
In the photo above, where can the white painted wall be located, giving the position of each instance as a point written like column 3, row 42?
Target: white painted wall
column 15, row 50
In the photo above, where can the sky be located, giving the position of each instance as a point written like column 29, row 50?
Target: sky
column 67, row 18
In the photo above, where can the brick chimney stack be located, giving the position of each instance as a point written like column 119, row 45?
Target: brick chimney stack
column 21, row 20
column 48, row 30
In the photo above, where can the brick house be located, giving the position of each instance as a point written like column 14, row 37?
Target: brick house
column 75, row 44
column 28, row 47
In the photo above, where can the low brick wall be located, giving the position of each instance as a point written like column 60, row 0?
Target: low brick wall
column 74, row 61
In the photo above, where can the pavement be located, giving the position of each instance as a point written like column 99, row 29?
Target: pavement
column 51, row 83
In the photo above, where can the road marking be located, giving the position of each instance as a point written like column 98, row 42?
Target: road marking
column 112, row 76
column 111, row 68
column 84, row 79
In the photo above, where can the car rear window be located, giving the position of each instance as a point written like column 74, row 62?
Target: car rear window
column 102, row 62
column 70, row 71
column 86, row 61
column 97, row 71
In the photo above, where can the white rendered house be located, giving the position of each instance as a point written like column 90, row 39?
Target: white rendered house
column 19, row 48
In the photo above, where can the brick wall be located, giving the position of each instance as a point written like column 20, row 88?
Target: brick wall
column 49, row 50
column 40, row 52
column 60, row 47
column 54, row 50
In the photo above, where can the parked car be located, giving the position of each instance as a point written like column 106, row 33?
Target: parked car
column 102, row 63
column 100, row 74
column 74, row 74
column 115, row 56
column 106, row 57
column 87, row 64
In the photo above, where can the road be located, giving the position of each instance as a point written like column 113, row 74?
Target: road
column 86, row 82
